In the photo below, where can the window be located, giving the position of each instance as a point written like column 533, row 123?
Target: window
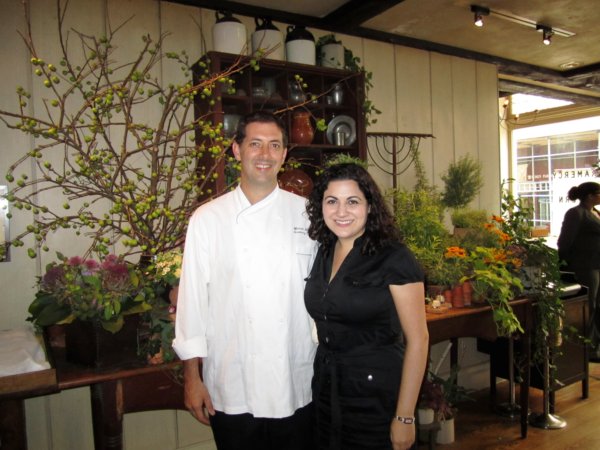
column 549, row 160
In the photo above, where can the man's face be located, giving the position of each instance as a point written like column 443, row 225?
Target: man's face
column 261, row 153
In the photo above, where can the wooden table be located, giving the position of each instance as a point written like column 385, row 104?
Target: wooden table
column 129, row 387
column 477, row 321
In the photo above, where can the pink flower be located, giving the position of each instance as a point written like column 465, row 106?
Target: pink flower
column 75, row 261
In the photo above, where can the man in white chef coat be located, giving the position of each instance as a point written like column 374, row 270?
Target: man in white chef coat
column 240, row 310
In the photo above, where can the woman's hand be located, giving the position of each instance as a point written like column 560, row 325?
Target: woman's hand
column 402, row 435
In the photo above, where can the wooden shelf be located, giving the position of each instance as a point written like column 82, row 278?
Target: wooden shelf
column 279, row 75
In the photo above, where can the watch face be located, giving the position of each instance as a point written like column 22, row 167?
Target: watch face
column 406, row 420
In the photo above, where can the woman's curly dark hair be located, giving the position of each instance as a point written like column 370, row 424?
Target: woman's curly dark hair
column 380, row 228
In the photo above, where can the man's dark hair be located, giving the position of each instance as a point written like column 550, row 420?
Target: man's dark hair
column 261, row 117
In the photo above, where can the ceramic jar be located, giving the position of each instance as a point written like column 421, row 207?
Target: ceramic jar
column 300, row 45
column 302, row 131
column 296, row 181
column 229, row 34
column 268, row 38
column 332, row 55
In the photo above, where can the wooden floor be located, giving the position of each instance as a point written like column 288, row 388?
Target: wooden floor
column 477, row 427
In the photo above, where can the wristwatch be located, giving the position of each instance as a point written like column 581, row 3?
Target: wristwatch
column 405, row 420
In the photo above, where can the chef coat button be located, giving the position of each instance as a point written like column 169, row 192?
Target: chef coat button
column 370, row 377
column 324, row 316
column 327, row 339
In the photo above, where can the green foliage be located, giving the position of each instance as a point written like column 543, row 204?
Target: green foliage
column 345, row 158
column 463, row 182
column 468, row 218
column 432, row 260
column 121, row 180
column 87, row 290
column 493, row 280
column 543, row 288
column 419, row 215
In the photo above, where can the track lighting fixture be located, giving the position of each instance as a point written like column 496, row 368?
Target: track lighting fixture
column 478, row 13
column 547, row 33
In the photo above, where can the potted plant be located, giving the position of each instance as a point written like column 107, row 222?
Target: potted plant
column 93, row 300
column 463, row 181
column 442, row 395
column 468, row 221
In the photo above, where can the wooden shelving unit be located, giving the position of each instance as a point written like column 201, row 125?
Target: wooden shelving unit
column 280, row 75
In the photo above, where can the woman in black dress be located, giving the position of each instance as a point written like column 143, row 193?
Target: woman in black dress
column 579, row 248
column 366, row 295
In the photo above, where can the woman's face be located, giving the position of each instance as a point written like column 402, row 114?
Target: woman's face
column 345, row 209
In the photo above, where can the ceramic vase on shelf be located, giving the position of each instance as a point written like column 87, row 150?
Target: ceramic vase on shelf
column 302, row 130
column 332, row 55
column 296, row 181
column 268, row 38
column 300, row 45
column 229, row 34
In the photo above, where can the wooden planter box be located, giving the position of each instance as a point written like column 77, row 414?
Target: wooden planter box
column 89, row 344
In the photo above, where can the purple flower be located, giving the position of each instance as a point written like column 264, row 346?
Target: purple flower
column 53, row 278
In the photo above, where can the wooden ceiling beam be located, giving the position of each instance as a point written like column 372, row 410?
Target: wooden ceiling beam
column 355, row 12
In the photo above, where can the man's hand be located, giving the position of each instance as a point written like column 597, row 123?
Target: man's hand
column 196, row 397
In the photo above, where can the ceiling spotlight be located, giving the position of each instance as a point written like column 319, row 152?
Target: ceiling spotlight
column 478, row 13
column 547, row 33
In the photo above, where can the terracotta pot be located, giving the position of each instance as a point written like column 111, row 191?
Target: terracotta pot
column 448, row 296
column 457, row 297
column 302, row 130
column 467, row 288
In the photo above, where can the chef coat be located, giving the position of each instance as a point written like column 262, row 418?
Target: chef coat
column 241, row 307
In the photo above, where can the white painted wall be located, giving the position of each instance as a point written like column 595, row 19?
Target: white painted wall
column 418, row 92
